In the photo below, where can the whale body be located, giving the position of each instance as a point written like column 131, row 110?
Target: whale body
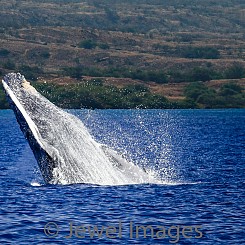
column 64, row 149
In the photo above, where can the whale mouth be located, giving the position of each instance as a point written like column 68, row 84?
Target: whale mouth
column 65, row 151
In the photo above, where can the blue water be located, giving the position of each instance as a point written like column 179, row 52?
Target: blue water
column 199, row 154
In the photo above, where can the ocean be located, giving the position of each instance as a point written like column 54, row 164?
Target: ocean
column 198, row 155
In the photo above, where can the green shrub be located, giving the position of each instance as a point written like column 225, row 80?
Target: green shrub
column 200, row 74
column 235, row 72
column 31, row 72
column 194, row 90
column 44, row 54
column 230, row 89
column 87, row 44
column 92, row 95
column 111, row 15
column 134, row 88
column 230, row 96
column 97, row 81
column 4, row 52
column 9, row 65
column 103, row 46
column 74, row 72
column 201, row 52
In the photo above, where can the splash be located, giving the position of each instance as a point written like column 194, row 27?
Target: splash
column 71, row 153
column 35, row 184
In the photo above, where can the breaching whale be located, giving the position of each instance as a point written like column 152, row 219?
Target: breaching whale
column 64, row 149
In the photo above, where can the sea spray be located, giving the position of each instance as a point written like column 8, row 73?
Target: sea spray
column 62, row 145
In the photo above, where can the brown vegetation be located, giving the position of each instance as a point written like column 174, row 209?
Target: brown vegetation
column 182, row 41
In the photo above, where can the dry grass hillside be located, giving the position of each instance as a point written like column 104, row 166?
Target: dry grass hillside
column 163, row 45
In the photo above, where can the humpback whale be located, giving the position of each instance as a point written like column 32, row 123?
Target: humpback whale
column 63, row 147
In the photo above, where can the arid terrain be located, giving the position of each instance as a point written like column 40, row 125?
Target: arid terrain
column 163, row 45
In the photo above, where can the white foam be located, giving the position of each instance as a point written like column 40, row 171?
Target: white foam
column 35, row 184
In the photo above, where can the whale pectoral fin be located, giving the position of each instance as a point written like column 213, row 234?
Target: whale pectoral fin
column 116, row 159
column 119, row 161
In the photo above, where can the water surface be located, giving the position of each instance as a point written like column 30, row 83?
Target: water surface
column 198, row 154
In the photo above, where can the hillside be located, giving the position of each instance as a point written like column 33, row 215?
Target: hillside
column 162, row 45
